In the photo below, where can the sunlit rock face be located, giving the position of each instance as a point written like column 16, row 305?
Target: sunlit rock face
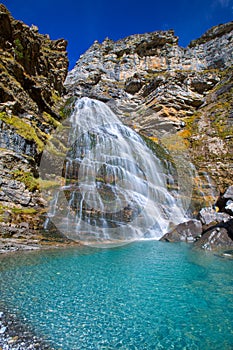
column 157, row 87
column 182, row 96
column 32, row 72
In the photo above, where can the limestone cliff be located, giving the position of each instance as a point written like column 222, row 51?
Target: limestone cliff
column 177, row 98
column 159, row 88
column 32, row 71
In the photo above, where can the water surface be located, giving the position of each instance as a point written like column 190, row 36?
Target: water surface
column 145, row 295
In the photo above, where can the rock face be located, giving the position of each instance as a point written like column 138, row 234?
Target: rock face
column 212, row 231
column 178, row 99
column 32, row 71
column 209, row 216
column 161, row 89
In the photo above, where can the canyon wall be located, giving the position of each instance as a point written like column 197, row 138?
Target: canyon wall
column 159, row 88
column 178, row 99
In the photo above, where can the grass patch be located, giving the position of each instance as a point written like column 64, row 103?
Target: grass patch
column 47, row 184
column 67, row 109
column 24, row 211
column 23, row 129
column 27, row 178
column 50, row 120
column 33, row 184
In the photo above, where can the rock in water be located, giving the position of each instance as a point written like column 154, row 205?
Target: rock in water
column 219, row 237
column 187, row 231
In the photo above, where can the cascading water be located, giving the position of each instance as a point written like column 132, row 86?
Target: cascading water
column 115, row 187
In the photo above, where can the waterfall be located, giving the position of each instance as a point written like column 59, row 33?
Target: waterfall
column 115, row 188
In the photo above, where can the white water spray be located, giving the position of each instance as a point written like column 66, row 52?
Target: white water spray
column 115, row 187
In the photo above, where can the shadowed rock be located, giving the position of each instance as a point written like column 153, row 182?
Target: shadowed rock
column 217, row 237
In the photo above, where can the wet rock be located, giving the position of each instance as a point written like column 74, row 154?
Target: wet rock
column 227, row 254
column 155, row 86
column 219, row 237
column 188, row 231
column 15, row 335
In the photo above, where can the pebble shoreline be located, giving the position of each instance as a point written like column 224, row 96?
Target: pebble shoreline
column 14, row 335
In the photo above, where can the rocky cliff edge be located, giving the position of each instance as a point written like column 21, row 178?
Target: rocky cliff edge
column 161, row 89
column 32, row 72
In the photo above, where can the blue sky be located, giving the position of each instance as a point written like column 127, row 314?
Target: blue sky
column 82, row 22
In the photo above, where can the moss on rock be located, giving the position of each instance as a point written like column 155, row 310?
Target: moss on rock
column 25, row 129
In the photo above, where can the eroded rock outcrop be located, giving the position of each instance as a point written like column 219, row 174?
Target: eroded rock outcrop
column 32, row 71
column 159, row 88
column 178, row 99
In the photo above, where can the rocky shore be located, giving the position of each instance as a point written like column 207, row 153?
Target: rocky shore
column 14, row 239
column 211, row 230
column 15, row 335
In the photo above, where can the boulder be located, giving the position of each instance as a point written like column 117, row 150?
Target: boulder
column 229, row 193
column 215, row 238
column 224, row 201
column 218, row 237
column 229, row 207
column 187, row 231
column 209, row 216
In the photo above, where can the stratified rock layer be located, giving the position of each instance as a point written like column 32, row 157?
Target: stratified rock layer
column 159, row 88
column 32, row 72
column 178, row 99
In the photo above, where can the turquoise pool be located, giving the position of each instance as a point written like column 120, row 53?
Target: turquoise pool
column 144, row 295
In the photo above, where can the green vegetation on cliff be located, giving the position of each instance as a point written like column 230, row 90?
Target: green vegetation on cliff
column 25, row 130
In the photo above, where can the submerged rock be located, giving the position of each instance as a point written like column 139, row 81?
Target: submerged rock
column 15, row 335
